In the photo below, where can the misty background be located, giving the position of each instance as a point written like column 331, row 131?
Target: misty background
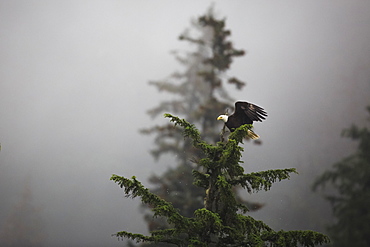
column 74, row 93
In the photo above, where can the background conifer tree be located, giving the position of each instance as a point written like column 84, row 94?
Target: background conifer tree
column 200, row 98
column 351, row 181
column 222, row 220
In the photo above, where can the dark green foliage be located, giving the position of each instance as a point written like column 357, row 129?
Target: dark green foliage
column 351, row 180
column 256, row 181
column 197, row 94
column 221, row 221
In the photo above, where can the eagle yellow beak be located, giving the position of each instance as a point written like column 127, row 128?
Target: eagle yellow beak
column 219, row 118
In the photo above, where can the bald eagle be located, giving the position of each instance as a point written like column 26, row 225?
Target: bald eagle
column 244, row 113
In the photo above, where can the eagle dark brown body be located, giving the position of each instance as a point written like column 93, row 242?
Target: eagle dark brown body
column 244, row 113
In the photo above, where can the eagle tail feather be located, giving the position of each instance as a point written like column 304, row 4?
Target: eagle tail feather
column 253, row 135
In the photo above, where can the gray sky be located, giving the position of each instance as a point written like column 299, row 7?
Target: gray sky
column 74, row 74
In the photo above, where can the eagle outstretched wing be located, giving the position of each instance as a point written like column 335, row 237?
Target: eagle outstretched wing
column 253, row 112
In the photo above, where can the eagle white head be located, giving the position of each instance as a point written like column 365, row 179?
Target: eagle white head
column 223, row 117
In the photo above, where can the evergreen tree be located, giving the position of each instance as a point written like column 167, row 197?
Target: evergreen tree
column 200, row 98
column 222, row 220
column 351, row 181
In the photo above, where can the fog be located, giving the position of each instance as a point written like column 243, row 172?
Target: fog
column 74, row 92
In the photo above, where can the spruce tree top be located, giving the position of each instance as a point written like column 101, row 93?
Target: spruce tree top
column 222, row 220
